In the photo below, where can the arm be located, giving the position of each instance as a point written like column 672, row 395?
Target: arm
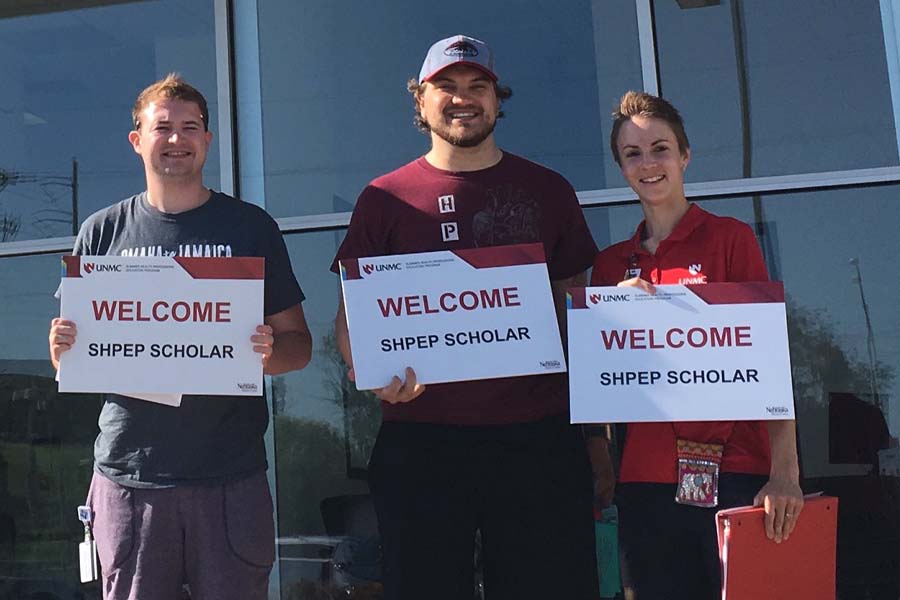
column 342, row 336
column 398, row 390
column 597, row 445
column 558, row 288
column 284, row 341
column 601, row 467
column 781, row 495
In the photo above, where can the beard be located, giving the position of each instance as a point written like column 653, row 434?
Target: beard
column 467, row 139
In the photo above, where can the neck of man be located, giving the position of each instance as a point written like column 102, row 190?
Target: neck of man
column 173, row 196
column 660, row 221
column 448, row 157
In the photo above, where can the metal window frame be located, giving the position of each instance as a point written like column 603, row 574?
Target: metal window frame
column 647, row 44
column 225, row 95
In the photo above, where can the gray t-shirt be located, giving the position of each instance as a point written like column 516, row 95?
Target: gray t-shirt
column 208, row 439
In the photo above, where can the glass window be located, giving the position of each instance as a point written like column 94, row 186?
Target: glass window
column 46, row 443
column 336, row 112
column 324, row 431
column 832, row 249
column 774, row 88
column 69, row 82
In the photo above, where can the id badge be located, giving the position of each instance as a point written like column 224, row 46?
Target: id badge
column 88, row 564
column 698, row 473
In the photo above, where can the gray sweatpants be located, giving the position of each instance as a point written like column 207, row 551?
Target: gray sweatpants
column 218, row 539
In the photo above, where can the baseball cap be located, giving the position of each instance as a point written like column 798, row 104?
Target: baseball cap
column 458, row 49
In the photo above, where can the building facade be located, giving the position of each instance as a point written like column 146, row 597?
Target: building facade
column 792, row 109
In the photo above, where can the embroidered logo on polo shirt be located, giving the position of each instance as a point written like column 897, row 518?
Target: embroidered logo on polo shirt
column 446, row 204
column 450, row 232
column 690, row 276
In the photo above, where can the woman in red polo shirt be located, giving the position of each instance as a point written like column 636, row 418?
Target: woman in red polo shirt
column 668, row 525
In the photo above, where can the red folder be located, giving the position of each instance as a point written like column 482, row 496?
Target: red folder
column 755, row 567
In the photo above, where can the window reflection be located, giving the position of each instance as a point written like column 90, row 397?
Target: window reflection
column 69, row 81
column 46, row 443
column 336, row 115
column 773, row 88
column 324, row 431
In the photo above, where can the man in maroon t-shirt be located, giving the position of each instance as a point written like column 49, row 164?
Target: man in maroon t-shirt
column 493, row 456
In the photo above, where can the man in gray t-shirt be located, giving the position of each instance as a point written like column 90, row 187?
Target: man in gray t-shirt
column 180, row 493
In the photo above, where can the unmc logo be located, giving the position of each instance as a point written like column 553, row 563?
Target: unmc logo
column 777, row 410
column 378, row 268
column 247, row 387
column 598, row 298
column 695, row 269
column 91, row 267
column 461, row 48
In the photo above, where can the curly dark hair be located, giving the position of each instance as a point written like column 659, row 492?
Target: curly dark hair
column 417, row 89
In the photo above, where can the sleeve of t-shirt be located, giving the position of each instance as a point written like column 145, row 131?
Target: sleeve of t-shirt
column 745, row 259
column 282, row 290
column 366, row 233
column 80, row 247
column 84, row 239
column 575, row 249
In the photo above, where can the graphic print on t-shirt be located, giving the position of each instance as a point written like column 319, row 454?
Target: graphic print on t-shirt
column 511, row 216
column 186, row 250
column 446, row 204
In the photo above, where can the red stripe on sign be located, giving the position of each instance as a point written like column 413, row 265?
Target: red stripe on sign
column 243, row 267
column 73, row 266
column 350, row 269
column 502, row 256
column 757, row 292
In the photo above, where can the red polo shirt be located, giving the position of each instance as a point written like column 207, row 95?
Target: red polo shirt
column 702, row 248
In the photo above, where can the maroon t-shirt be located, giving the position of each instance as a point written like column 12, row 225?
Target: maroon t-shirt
column 419, row 208
column 703, row 248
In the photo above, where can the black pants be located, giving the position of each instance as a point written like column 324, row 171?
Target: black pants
column 526, row 487
column 671, row 550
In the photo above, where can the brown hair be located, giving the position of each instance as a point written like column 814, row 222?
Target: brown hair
column 642, row 104
column 417, row 89
column 172, row 87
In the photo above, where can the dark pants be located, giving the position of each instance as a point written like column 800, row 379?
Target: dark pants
column 219, row 539
column 671, row 550
column 526, row 487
